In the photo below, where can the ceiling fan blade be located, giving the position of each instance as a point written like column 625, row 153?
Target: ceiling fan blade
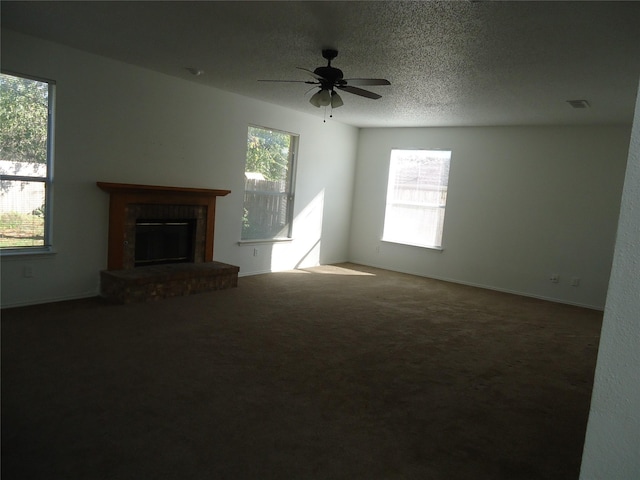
column 360, row 91
column 312, row 73
column 367, row 81
column 291, row 81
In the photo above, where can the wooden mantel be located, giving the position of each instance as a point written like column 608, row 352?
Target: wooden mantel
column 129, row 188
column 123, row 194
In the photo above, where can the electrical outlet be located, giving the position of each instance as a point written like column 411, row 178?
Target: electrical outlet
column 27, row 271
column 255, row 252
column 575, row 281
column 554, row 277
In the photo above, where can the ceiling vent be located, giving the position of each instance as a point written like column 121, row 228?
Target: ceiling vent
column 578, row 103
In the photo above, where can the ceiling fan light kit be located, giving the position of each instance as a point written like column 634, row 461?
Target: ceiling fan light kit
column 336, row 100
column 321, row 98
column 329, row 78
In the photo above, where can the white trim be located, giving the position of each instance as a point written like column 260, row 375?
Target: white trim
column 26, row 251
column 259, row 272
column 65, row 298
column 487, row 287
column 35, row 78
column 428, row 247
column 47, row 179
column 263, row 241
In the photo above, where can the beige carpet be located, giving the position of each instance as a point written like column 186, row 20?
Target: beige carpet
column 337, row 372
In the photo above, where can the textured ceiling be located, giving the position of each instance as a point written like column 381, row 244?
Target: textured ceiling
column 459, row 63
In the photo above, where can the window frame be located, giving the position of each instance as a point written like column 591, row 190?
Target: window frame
column 424, row 206
column 290, row 187
column 47, row 246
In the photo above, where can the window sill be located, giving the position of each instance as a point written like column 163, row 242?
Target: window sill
column 261, row 242
column 26, row 252
column 438, row 249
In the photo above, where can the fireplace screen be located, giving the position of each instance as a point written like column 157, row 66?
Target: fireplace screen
column 164, row 241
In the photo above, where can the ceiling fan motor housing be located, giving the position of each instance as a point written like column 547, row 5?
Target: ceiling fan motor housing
column 330, row 76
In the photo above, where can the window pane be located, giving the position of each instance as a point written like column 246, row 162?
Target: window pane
column 21, row 213
column 268, row 153
column 24, row 116
column 416, row 197
column 23, row 169
column 267, row 205
column 265, row 216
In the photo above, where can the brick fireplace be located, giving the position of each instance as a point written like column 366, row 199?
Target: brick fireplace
column 147, row 255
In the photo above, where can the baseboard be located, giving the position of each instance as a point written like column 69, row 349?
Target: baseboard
column 65, row 298
column 491, row 287
column 258, row 272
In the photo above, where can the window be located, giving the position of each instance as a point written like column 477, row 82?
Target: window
column 26, row 138
column 416, row 197
column 268, row 185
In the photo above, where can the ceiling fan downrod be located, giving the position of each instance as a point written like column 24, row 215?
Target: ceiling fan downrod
column 329, row 54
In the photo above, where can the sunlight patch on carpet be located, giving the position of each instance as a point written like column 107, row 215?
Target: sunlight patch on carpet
column 335, row 270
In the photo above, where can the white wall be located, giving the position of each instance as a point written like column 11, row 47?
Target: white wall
column 523, row 202
column 612, row 444
column 120, row 123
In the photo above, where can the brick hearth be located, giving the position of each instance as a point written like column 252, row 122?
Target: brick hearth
column 164, row 281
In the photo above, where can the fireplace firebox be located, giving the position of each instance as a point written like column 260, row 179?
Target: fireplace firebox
column 162, row 241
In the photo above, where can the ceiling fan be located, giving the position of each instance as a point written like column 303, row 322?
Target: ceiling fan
column 329, row 78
